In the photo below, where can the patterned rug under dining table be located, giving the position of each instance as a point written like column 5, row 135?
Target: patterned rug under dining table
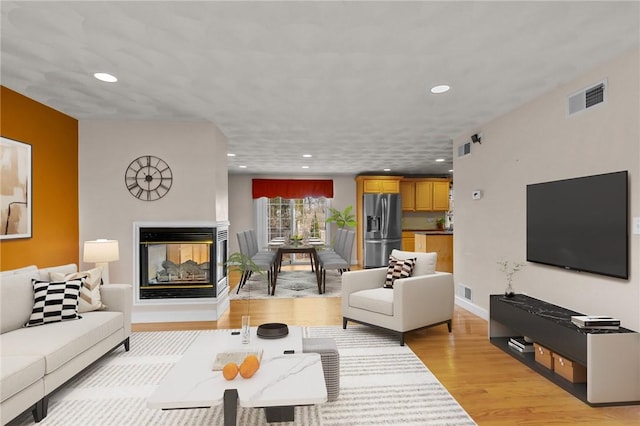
column 309, row 249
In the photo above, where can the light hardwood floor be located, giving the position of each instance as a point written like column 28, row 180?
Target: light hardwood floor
column 493, row 388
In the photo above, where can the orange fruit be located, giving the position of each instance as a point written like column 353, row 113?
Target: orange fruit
column 249, row 366
column 230, row 371
column 252, row 359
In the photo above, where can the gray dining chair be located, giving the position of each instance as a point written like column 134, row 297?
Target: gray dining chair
column 341, row 260
column 263, row 262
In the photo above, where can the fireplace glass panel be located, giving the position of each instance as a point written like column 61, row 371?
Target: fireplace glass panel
column 221, row 258
column 179, row 263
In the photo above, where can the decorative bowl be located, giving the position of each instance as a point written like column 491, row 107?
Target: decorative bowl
column 272, row 330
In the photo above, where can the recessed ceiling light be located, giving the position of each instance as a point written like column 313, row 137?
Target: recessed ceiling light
column 242, row 167
column 307, row 155
column 440, row 88
column 230, row 154
column 305, row 167
column 103, row 76
column 439, row 160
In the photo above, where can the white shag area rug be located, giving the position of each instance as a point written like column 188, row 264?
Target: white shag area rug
column 381, row 383
column 289, row 285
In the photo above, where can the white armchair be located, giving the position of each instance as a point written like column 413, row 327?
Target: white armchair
column 424, row 299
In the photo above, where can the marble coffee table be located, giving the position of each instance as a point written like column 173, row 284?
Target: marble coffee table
column 283, row 381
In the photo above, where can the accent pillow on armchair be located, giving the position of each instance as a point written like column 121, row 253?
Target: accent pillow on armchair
column 425, row 262
column 398, row 268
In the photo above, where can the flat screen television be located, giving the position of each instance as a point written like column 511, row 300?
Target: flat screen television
column 580, row 224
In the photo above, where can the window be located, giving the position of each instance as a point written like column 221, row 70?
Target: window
column 300, row 216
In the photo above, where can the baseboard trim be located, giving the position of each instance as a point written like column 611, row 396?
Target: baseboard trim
column 181, row 311
column 474, row 309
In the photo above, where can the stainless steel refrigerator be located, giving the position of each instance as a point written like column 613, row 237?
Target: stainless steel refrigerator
column 382, row 224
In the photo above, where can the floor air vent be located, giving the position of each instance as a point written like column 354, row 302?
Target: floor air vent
column 587, row 98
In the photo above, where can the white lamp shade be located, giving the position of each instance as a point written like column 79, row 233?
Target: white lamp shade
column 101, row 251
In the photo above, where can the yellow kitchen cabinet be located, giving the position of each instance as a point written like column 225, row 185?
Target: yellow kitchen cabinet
column 424, row 196
column 440, row 196
column 408, row 195
column 381, row 186
column 439, row 243
column 408, row 240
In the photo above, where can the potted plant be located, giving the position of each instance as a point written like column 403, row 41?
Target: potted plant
column 344, row 218
column 243, row 264
column 246, row 266
column 440, row 222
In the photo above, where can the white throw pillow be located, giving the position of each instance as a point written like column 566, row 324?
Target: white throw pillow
column 90, row 291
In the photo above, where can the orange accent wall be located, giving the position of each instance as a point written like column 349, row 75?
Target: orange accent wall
column 53, row 137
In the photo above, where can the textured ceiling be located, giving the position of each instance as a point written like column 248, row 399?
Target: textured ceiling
column 347, row 82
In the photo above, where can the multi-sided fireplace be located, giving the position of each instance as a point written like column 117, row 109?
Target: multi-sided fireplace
column 182, row 262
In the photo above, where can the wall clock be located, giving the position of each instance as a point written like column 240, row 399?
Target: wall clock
column 148, row 178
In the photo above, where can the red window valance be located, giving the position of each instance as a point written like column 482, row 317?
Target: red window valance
column 292, row 188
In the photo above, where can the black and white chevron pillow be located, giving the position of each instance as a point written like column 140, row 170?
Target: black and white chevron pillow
column 54, row 301
column 398, row 268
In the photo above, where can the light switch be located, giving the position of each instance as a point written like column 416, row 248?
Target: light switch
column 636, row 225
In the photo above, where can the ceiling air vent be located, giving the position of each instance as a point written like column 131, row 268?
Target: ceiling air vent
column 464, row 149
column 587, row 98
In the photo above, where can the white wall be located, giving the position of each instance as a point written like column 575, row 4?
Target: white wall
column 241, row 208
column 241, row 203
column 535, row 143
column 197, row 155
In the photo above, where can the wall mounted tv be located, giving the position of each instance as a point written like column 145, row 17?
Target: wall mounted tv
column 580, row 224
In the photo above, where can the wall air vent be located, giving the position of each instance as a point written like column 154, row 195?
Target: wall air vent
column 464, row 149
column 587, row 98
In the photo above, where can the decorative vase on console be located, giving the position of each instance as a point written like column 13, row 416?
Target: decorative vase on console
column 509, row 290
column 510, row 268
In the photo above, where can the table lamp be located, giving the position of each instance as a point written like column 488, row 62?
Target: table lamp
column 101, row 252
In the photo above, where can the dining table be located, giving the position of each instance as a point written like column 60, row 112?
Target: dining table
column 302, row 247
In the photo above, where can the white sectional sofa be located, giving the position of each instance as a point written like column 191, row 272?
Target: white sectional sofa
column 36, row 360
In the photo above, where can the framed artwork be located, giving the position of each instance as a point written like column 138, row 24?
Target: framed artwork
column 15, row 189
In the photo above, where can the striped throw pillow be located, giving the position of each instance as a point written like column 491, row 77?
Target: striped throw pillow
column 90, row 299
column 398, row 268
column 54, row 302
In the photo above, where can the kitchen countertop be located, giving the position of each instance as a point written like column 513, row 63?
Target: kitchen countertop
column 429, row 231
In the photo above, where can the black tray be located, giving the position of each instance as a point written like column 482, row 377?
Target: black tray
column 272, row 330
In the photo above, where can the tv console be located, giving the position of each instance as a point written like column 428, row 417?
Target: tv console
column 611, row 357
